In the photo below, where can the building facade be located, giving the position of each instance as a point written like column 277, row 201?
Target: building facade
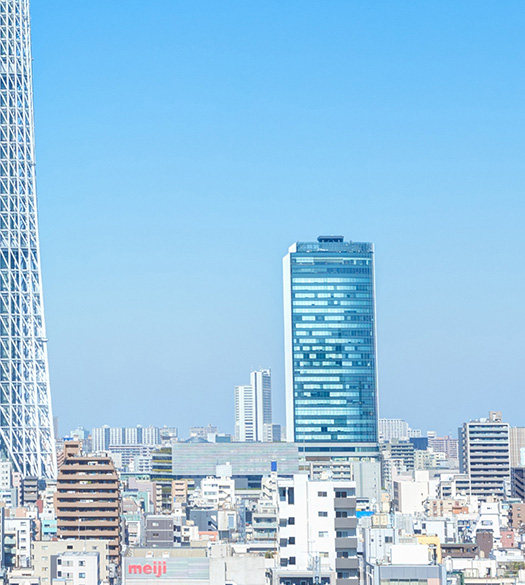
column 88, row 502
column 485, row 455
column 317, row 524
column 253, row 407
column 330, row 342
column 393, row 428
column 26, row 421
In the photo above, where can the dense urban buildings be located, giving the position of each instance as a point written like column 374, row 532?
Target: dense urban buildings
column 253, row 407
column 330, row 342
column 26, row 427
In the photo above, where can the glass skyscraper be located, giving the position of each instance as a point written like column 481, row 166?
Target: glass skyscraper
column 330, row 342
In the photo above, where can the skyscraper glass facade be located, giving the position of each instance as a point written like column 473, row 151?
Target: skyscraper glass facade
column 330, row 341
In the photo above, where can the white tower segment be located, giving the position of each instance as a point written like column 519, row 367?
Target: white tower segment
column 26, row 427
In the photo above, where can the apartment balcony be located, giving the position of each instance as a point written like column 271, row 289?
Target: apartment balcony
column 64, row 514
column 345, row 523
column 346, row 543
column 342, row 564
column 345, row 503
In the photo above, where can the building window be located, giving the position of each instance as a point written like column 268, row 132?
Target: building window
column 322, row 494
column 323, row 534
column 291, row 520
column 82, row 575
column 291, row 561
column 341, row 514
column 291, row 540
column 81, row 563
column 291, row 498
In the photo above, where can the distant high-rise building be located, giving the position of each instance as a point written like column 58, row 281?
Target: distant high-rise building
column 330, row 342
column 203, row 432
column 446, row 445
column 107, row 438
column 26, row 422
column 253, row 407
column 100, row 439
column 485, row 455
column 393, row 428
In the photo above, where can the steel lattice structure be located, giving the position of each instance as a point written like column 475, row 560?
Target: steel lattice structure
column 26, row 422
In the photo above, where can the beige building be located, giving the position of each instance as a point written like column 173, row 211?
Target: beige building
column 47, row 552
column 517, row 446
column 87, row 500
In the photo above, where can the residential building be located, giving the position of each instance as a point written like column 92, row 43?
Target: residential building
column 100, row 439
column 159, row 531
column 272, row 433
column 317, row 523
column 485, row 455
column 46, row 553
column 517, row 446
column 447, row 445
column 393, row 428
column 253, row 407
column 518, row 482
column 88, row 500
column 330, row 342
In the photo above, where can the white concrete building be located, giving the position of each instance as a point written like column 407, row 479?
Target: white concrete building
column 18, row 532
column 485, row 455
column 317, row 524
column 410, row 494
column 392, row 428
column 77, row 568
column 253, row 407
column 217, row 493
column 46, row 553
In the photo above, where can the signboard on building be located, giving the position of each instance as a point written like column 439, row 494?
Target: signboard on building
column 166, row 571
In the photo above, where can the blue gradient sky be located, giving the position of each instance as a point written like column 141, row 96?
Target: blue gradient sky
column 183, row 146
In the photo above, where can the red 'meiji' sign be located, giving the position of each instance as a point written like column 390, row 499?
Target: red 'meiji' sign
column 175, row 570
column 157, row 568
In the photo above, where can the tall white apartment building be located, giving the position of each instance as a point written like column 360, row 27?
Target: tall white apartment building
column 317, row 527
column 130, row 436
column 107, row 438
column 485, row 455
column 151, row 436
column 392, row 428
column 100, row 439
column 116, row 436
column 253, row 407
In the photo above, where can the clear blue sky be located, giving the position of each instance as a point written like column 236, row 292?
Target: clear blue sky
column 183, row 146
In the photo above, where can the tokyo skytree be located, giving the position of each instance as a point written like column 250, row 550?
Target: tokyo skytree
column 26, row 427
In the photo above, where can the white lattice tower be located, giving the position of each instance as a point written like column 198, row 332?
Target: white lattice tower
column 26, row 422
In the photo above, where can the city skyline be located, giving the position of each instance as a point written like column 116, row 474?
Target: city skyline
column 252, row 149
